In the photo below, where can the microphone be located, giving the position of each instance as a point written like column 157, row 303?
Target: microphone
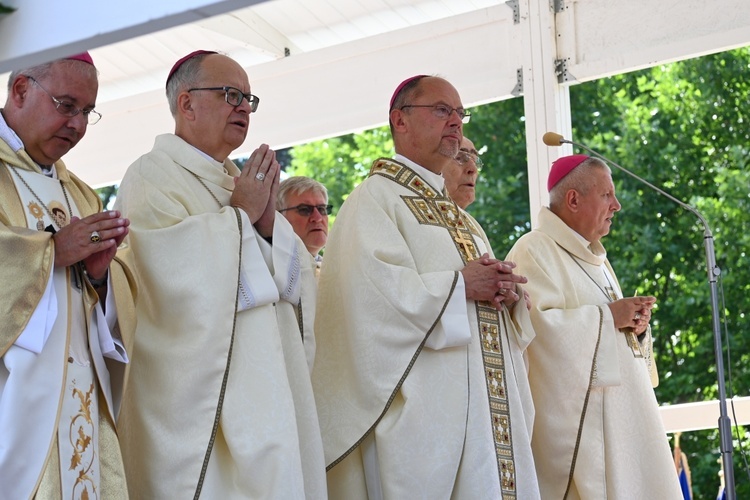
column 554, row 139
column 725, row 425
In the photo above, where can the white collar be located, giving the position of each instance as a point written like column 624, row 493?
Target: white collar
column 435, row 180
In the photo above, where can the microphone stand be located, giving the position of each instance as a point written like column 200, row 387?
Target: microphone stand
column 725, row 425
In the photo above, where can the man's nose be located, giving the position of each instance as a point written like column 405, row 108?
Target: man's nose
column 616, row 204
column 78, row 122
column 315, row 215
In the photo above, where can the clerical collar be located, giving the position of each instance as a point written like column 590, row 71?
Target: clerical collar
column 218, row 164
column 10, row 137
column 436, row 181
column 583, row 240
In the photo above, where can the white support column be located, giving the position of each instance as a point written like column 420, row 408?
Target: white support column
column 43, row 30
column 546, row 102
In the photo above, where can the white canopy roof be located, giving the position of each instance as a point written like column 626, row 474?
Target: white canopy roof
column 327, row 67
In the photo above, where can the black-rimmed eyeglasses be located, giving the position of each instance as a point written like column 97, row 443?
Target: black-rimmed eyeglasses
column 234, row 96
column 69, row 109
column 463, row 157
column 307, row 210
column 442, row 111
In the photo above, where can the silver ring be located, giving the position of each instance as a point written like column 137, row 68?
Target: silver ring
column 260, row 176
column 637, row 316
column 95, row 237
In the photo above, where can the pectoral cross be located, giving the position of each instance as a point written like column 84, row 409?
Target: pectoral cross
column 465, row 245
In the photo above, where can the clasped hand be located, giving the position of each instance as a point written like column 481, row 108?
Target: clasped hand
column 73, row 242
column 492, row 280
column 255, row 189
column 632, row 312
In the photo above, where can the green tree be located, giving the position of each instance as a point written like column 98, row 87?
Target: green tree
column 341, row 163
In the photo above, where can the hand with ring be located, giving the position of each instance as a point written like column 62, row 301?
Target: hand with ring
column 632, row 312
column 250, row 193
column 93, row 239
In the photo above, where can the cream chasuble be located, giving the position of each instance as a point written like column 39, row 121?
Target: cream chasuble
column 623, row 452
column 58, row 394
column 187, row 242
column 421, row 393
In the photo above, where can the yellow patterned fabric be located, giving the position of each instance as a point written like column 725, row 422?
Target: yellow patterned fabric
column 402, row 401
column 112, row 475
column 623, row 452
column 25, row 272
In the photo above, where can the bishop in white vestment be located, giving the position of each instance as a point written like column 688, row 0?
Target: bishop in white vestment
column 418, row 388
column 211, row 283
column 598, row 433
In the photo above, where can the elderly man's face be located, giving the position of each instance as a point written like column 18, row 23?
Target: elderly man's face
column 597, row 207
column 47, row 135
column 429, row 139
column 461, row 175
column 312, row 229
column 223, row 126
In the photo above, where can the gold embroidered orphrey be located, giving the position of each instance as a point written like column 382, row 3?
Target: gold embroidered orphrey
column 436, row 209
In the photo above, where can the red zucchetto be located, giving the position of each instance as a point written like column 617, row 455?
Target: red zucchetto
column 83, row 56
column 562, row 167
column 401, row 87
column 182, row 60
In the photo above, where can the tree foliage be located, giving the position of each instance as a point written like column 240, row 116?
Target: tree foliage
column 682, row 126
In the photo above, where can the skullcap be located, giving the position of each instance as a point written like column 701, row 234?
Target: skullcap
column 83, row 56
column 562, row 167
column 181, row 61
column 401, row 87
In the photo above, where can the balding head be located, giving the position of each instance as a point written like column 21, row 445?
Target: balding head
column 419, row 132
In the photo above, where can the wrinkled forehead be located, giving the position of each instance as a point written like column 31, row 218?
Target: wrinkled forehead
column 468, row 146
column 72, row 79
column 435, row 89
column 220, row 70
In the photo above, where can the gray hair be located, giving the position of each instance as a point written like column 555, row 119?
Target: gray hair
column 579, row 178
column 407, row 94
column 298, row 185
column 187, row 76
column 42, row 71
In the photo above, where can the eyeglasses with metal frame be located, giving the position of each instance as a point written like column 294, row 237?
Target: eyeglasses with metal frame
column 307, row 210
column 463, row 157
column 442, row 111
column 69, row 109
column 234, row 96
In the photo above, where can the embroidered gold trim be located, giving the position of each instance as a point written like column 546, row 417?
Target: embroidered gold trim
column 436, row 209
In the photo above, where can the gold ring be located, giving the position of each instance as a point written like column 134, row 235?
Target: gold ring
column 95, row 237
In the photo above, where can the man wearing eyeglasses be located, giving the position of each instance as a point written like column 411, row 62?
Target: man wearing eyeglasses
column 220, row 403
column 67, row 297
column 419, row 373
column 461, row 175
column 304, row 203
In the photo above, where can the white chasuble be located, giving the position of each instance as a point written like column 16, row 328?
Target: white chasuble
column 403, row 414
column 53, row 376
column 191, row 249
column 623, row 452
